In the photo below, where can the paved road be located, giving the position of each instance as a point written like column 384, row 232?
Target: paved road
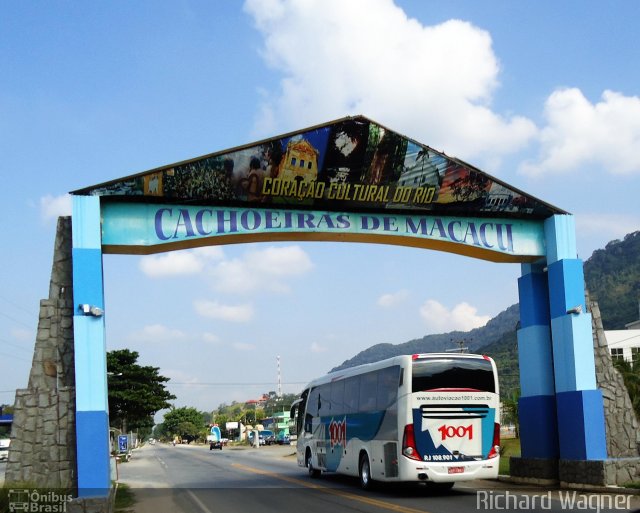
column 192, row 479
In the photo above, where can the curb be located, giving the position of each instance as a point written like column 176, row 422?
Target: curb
column 566, row 486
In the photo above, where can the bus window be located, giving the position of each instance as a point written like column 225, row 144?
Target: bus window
column 313, row 402
column 337, row 397
column 387, row 387
column 432, row 374
column 368, row 391
column 312, row 408
column 296, row 415
column 324, row 400
column 351, row 394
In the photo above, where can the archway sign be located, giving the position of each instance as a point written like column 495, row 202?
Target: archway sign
column 348, row 180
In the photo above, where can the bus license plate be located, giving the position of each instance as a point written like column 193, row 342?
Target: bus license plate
column 456, row 470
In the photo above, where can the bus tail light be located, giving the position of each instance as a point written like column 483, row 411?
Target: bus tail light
column 495, row 446
column 409, row 444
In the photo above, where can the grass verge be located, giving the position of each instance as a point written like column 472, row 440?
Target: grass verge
column 508, row 447
column 125, row 500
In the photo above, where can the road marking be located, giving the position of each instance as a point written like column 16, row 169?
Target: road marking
column 195, row 499
column 345, row 495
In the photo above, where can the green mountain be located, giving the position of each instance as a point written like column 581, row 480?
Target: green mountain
column 492, row 332
column 612, row 276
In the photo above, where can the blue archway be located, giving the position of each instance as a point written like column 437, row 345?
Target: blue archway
column 349, row 180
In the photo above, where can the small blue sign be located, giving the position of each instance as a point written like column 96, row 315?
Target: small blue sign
column 123, row 443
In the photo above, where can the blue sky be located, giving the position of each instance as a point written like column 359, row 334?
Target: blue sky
column 543, row 95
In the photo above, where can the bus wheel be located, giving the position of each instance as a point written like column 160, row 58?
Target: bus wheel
column 366, row 483
column 313, row 472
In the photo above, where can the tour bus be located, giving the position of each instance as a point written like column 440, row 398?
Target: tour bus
column 430, row 418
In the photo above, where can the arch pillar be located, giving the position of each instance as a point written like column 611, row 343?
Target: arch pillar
column 561, row 410
column 92, row 409
column 537, row 403
column 580, row 408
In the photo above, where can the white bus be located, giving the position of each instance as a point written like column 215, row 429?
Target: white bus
column 414, row 418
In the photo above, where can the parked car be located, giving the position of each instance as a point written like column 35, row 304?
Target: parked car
column 267, row 437
column 283, row 439
column 4, row 448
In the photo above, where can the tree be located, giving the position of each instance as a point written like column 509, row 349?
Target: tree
column 631, row 375
column 136, row 393
column 185, row 422
column 511, row 413
column 274, row 403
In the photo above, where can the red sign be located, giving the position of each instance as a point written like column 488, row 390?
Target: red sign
column 338, row 433
column 456, row 432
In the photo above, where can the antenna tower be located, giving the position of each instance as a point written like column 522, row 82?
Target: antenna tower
column 279, row 392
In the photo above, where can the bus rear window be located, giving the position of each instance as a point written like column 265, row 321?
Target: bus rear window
column 437, row 373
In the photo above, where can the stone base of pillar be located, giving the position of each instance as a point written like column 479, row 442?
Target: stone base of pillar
column 579, row 474
column 610, row 472
column 93, row 505
column 535, row 471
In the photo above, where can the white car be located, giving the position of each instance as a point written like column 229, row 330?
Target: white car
column 4, row 448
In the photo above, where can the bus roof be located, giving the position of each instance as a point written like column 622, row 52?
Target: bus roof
column 394, row 360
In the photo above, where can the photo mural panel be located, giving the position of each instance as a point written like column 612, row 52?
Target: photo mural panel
column 351, row 164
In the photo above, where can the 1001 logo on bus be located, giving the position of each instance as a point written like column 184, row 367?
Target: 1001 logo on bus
column 338, row 432
column 456, row 431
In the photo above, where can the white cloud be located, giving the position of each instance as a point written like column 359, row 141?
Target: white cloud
column 434, row 83
column 170, row 264
column 23, row 335
column 210, row 338
column 52, row 207
column 392, row 299
column 317, row 348
column 264, row 269
column 578, row 133
column 463, row 317
column 186, row 379
column 157, row 333
column 216, row 310
column 177, row 263
column 607, row 226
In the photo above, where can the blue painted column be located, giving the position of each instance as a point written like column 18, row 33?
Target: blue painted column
column 537, row 404
column 580, row 410
column 92, row 410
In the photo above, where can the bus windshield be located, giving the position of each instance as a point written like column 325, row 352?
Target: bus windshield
column 450, row 373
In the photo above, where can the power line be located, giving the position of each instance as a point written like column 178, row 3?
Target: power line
column 15, row 320
column 16, row 345
column 14, row 356
column 611, row 346
column 16, row 306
